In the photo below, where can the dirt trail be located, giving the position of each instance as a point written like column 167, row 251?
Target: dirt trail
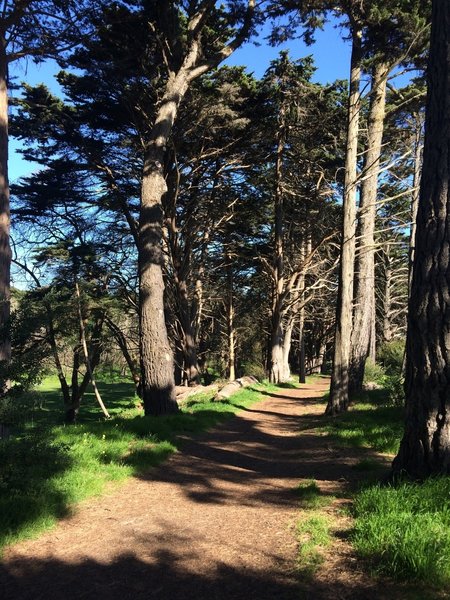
column 216, row 521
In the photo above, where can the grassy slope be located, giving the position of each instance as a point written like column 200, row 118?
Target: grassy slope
column 47, row 467
column 402, row 530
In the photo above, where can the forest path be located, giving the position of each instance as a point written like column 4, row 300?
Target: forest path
column 215, row 521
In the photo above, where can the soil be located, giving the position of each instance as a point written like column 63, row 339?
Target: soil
column 216, row 521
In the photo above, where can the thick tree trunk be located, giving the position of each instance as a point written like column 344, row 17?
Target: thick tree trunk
column 276, row 350
column 342, row 342
column 425, row 447
column 287, row 343
column 5, row 248
column 364, row 304
column 302, row 353
column 157, row 368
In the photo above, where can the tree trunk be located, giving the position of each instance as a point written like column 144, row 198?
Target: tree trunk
column 231, row 333
column 425, row 447
column 157, row 368
column 287, row 343
column 188, row 341
column 338, row 400
column 387, row 294
column 277, row 333
column 5, row 248
column 415, row 196
column 302, row 353
column 86, row 354
column 132, row 363
column 364, row 304
column 276, row 349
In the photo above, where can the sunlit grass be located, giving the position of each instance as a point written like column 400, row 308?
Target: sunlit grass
column 369, row 424
column 404, row 530
column 47, row 467
column 313, row 534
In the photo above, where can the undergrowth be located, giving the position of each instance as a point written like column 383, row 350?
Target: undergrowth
column 401, row 530
column 46, row 467
column 370, row 423
column 313, row 527
column 404, row 530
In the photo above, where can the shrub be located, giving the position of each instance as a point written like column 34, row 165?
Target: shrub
column 394, row 387
column 390, row 355
column 374, row 373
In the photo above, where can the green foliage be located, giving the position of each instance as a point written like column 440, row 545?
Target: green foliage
column 48, row 467
column 394, row 387
column 404, row 530
column 369, row 423
column 391, row 355
column 374, row 373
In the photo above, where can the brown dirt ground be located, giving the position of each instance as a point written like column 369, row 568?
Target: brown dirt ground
column 216, row 521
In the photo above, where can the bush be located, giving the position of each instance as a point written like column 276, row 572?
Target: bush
column 253, row 369
column 374, row 373
column 390, row 355
column 394, row 387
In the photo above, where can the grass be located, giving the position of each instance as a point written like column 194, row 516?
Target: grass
column 401, row 530
column 311, row 497
column 369, row 424
column 313, row 527
column 313, row 534
column 46, row 467
column 404, row 530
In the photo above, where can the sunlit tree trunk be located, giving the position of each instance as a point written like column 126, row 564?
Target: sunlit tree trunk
column 425, row 447
column 277, row 333
column 338, row 400
column 363, row 316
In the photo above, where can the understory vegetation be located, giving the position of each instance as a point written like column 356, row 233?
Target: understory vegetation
column 402, row 529
column 47, row 467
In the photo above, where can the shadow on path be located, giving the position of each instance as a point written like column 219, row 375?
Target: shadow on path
column 216, row 521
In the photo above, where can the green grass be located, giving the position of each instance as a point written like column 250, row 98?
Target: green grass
column 404, row 530
column 313, row 527
column 369, row 424
column 46, row 467
column 313, row 533
column 311, row 497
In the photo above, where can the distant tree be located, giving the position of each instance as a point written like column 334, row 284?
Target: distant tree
column 425, row 447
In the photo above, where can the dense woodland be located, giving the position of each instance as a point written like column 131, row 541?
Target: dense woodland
column 190, row 222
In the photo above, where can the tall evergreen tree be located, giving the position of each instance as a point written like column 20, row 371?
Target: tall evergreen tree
column 425, row 447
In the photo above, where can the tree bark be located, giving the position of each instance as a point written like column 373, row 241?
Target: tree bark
column 5, row 248
column 425, row 447
column 338, row 400
column 231, row 332
column 277, row 333
column 157, row 368
column 387, row 293
column 364, row 303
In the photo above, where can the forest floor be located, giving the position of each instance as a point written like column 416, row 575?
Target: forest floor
column 218, row 520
